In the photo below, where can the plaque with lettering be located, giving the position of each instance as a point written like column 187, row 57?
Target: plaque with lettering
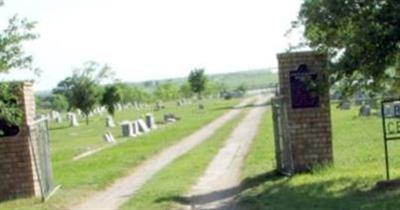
column 302, row 94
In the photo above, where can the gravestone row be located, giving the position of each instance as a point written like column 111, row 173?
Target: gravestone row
column 138, row 127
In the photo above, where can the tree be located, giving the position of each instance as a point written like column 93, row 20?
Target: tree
column 185, row 90
column 361, row 37
column 13, row 56
column 213, row 87
column 112, row 95
column 242, row 88
column 197, row 80
column 64, row 88
column 166, row 91
column 86, row 94
column 12, row 38
column 131, row 94
column 82, row 89
column 59, row 102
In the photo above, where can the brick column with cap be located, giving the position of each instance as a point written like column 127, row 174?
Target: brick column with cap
column 308, row 114
column 18, row 176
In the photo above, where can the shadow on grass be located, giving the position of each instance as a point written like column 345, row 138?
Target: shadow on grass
column 222, row 194
column 271, row 191
column 341, row 193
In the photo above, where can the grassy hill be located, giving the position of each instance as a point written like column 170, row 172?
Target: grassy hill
column 254, row 79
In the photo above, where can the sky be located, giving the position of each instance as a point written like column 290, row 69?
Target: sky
column 153, row 39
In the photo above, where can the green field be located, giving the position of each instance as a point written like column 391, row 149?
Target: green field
column 96, row 172
column 349, row 184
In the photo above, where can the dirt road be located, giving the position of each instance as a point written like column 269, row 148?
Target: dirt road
column 123, row 189
column 219, row 184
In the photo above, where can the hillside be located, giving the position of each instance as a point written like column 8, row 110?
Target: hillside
column 254, row 79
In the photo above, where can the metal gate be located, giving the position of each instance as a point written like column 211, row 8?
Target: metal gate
column 284, row 160
column 40, row 146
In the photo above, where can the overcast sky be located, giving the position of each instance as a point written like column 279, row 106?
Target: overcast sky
column 153, row 39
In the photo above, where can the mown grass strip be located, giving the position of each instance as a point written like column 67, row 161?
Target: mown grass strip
column 166, row 189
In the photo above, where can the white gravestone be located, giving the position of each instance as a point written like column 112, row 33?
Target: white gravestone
column 365, row 110
column 135, row 126
column 74, row 121
column 142, row 126
column 58, row 119
column 110, row 122
column 150, row 122
column 108, row 137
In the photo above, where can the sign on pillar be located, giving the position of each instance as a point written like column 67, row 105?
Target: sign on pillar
column 304, row 116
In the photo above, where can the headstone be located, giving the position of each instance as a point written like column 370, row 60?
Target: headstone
column 142, row 126
column 69, row 116
column 135, row 127
column 345, row 105
column 388, row 111
column 136, row 105
column 108, row 137
column 170, row 118
column 119, row 107
column 54, row 115
column 58, row 119
column 365, row 110
column 74, row 121
column 159, row 106
column 150, row 122
column 110, row 122
column 127, row 129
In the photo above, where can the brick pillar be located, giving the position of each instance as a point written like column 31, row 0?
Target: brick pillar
column 308, row 114
column 18, row 176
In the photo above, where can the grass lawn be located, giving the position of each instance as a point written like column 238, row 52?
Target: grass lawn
column 96, row 172
column 169, row 186
column 348, row 184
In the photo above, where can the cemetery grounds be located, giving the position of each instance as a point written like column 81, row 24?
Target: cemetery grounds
column 348, row 184
column 80, row 178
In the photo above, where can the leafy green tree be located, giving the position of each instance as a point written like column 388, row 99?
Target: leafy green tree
column 131, row 94
column 82, row 89
column 59, row 102
column 214, row 88
column 86, row 94
column 166, row 92
column 362, row 38
column 10, row 111
column 12, row 57
column 112, row 95
column 12, row 38
column 185, row 91
column 197, row 80
column 64, row 88
column 242, row 88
